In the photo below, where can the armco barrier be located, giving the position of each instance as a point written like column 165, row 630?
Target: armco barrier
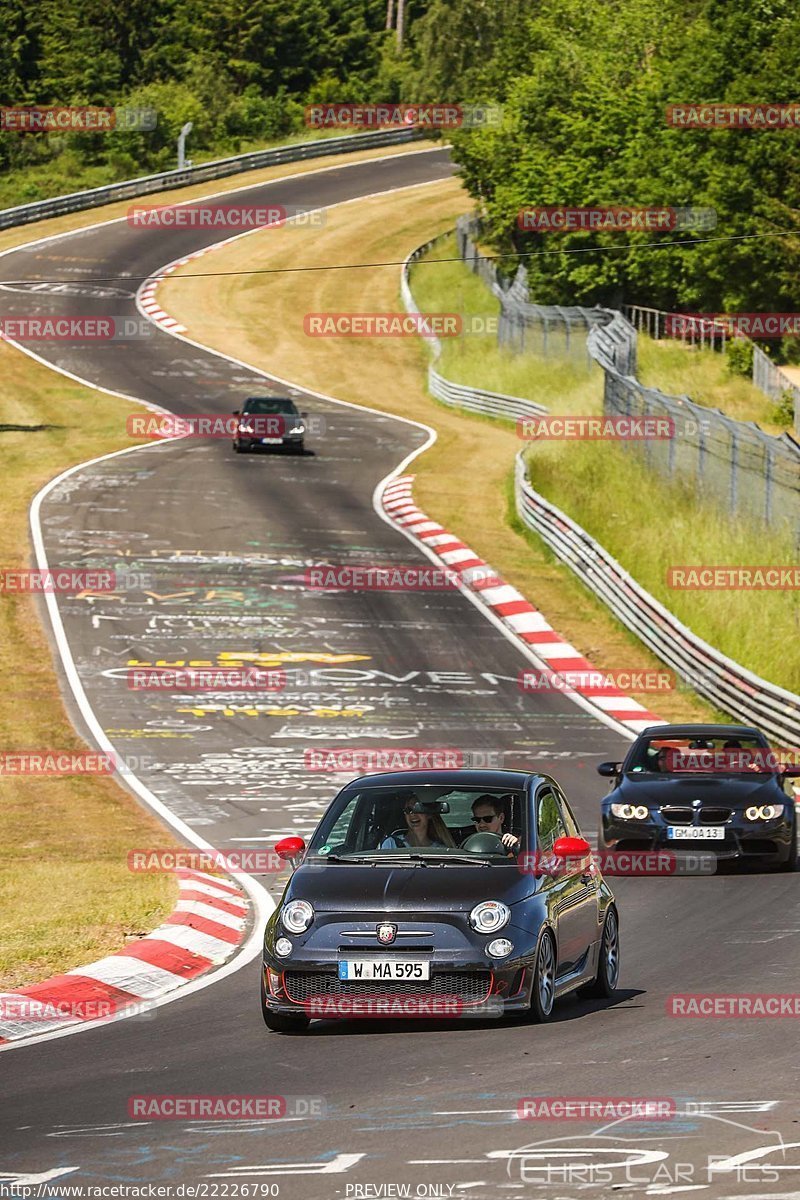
column 733, row 463
column 461, row 395
column 725, row 683
column 219, row 168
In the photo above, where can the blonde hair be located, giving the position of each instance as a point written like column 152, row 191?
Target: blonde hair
column 438, row 829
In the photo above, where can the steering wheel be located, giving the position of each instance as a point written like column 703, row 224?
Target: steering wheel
column 484, row 843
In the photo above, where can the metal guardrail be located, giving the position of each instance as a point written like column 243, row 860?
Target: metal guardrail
column 724, row 682
column 734, row 463
column 219, row 168
column 461, row 395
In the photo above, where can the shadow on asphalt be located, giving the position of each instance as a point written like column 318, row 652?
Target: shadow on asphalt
column 569, row 1009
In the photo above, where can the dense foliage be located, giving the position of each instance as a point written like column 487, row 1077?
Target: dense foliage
column 583, row 87
column 240, row 70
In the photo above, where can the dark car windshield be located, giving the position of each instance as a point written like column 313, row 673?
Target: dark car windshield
column 700, row 755
column 430, row 822
column 269, row 404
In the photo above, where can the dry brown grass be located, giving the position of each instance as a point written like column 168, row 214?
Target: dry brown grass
column 66, row 895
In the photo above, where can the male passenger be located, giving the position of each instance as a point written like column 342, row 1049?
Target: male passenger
column 489, row 815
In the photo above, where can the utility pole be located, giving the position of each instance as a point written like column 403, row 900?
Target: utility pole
column 182, row 162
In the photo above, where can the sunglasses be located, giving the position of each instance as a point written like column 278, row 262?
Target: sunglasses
column 484, row 820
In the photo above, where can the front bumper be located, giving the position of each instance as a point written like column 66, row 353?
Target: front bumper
column 290, row 441
column 464, row 981
column 453, row 995
column 766, row 841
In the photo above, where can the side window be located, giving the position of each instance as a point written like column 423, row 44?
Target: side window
column 338, row 836
column 549, row 822
column 568, row 817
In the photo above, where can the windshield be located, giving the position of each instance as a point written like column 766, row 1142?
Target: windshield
column 434, row 822
column 269, row 404
column 702, row 756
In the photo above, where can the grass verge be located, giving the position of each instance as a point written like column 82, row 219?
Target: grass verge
column 228, row 312
column 705, row 377
column 66, row 894
column 645, row 522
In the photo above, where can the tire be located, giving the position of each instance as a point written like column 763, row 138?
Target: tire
column 239, row 448
column 544, row 980
column 605, row 984
column 279, row 1022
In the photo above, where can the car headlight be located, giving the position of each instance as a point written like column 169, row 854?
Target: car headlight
column 296, row 916
column 489, row 916
column 283, row 947
column 630, row 812
column 298, row 429
column 763, row 812
column 245, row 428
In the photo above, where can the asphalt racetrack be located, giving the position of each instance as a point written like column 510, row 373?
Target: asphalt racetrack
column 220, row 541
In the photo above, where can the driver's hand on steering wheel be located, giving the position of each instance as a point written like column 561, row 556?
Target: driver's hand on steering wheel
column 510, row 842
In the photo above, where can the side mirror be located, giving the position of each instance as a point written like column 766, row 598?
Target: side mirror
column 237, row 412
column 572, row 854
column 571, row 847
column 609, row 769
column 568, row 855
column 304, row 414
column 290, row 849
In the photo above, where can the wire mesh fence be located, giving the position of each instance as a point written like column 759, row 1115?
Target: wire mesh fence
column 735, row 464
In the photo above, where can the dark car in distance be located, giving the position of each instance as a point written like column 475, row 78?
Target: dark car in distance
column 269, row 421
column 403, row 905
column 716, row 787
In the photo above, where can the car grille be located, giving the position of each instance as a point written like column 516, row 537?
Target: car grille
column 678, row 815
column 713, row 816
column 468, row 986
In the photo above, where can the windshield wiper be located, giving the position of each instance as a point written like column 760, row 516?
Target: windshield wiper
column 471, row 860
column 349, row 858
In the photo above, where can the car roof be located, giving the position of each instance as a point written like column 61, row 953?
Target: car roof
column 465, row 777
column 708, row 730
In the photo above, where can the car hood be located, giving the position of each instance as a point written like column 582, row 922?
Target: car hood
column 728, row 790
column 344, row 888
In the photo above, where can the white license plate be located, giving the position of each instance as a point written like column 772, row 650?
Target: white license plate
column 693, row 833
column 271, row 441
column 384, row 968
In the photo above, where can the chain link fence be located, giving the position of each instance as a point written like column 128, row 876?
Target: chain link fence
column 536, row 328
column 733, row 463
column 460, row 395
